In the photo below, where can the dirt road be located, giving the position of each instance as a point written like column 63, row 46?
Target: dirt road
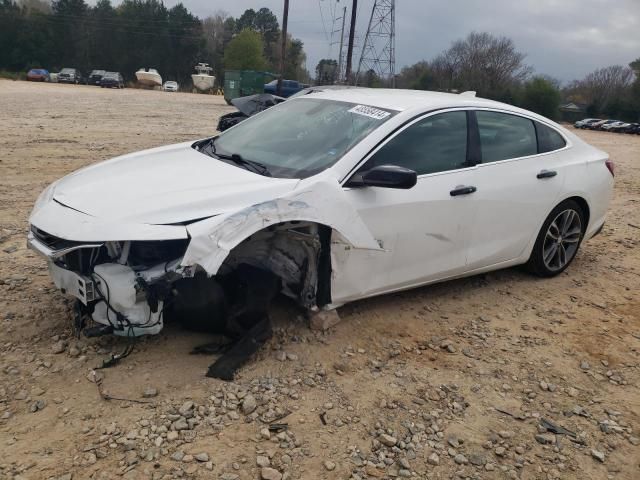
column 414, row 384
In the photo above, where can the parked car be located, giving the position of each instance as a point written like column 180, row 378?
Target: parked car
column 112, row 80
column 633, row 128
column 339, row 195
column 70, row 75
column 38, row 75
column 247, row 106
column 95, row 76
column 170, row 86
column 586, row 122
column 613, row 126
column 289, row 87
column 252, row 104
column 600, row 124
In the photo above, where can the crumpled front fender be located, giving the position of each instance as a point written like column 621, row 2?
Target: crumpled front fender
column 322, row 202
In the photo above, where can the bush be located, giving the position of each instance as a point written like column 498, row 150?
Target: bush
column 13, row 75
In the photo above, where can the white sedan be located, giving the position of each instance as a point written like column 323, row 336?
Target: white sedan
column 170, row 86
column 340, row 195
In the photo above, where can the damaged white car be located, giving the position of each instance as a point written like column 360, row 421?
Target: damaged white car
column 336, row 196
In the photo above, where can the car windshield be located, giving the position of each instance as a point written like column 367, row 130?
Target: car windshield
column 300, row 138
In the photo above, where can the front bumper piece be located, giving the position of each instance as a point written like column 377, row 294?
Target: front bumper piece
column 114, row 291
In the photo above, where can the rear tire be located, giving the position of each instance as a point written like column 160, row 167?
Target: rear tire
column 558, row 240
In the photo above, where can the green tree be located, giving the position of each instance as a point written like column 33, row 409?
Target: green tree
column 186, row 43
column 246, row 21
column 542, row 96
column 326, row 72
column 371, row 79
column 426, row 81
column 103, row 52
column 71, row 32
column 245, row 52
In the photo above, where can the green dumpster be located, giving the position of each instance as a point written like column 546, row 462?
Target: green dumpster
column 240, row 83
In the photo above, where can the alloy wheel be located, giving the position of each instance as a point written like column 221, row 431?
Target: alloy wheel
column 562, row 240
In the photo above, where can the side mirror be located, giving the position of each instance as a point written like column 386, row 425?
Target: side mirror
column 385, row 176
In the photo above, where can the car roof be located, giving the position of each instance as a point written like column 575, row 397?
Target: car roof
column 407, row 100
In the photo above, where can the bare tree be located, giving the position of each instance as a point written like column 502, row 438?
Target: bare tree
column 481, row 62
column 601, row 88
column 218, row 30
column 42, row 6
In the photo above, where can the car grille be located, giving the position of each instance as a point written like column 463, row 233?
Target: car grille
column 81, row 260
column 51, row 241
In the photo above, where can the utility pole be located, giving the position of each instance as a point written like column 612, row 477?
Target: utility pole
column 283, row 50
column 352, row 32
column 344, row 14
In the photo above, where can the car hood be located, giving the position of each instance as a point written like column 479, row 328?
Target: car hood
column 165, row 185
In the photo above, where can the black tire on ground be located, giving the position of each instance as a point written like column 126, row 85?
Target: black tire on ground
column 550, row 239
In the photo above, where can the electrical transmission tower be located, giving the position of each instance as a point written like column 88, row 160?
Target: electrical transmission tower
column 379, row 49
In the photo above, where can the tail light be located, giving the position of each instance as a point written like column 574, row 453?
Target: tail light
column 611, row 166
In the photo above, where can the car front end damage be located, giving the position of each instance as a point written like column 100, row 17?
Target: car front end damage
column 121, row 286
column 207, row 272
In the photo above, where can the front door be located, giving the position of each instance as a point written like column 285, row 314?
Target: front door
column 423, row 230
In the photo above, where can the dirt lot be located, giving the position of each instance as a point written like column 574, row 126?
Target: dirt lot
column 414, row 384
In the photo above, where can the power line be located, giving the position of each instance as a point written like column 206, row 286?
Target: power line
column 324, row 27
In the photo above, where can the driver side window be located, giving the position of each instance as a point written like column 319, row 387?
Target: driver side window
column 437, row 143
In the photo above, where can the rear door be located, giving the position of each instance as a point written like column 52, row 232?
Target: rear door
column 519, row 181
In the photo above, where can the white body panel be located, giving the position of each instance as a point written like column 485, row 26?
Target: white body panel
column 383, row 239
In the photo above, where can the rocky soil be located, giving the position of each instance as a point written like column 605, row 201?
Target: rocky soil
column 498, row 376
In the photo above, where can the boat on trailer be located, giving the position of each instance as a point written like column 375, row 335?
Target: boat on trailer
column 149, row 77
column 203, row 81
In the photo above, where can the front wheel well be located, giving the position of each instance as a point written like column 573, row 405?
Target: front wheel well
column 298, row 252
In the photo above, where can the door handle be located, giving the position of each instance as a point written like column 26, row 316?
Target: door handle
column 547, row 174
column 462, row 190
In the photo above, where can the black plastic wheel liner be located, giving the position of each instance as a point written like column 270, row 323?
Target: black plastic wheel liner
column 235, row 305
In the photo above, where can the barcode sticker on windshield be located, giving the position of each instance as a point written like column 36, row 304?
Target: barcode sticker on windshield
column 370, row 112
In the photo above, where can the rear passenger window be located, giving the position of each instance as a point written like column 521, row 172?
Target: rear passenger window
column 504, row 136
column 548, row 139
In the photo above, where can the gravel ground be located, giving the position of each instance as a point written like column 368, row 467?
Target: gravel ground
column 449, row 381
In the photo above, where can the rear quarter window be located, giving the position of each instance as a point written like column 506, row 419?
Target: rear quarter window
column 549, row 139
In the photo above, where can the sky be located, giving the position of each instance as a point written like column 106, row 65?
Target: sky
column 565, row 39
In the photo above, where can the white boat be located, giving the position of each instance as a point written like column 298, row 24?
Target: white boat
column 149, row 77
column 202, row 79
